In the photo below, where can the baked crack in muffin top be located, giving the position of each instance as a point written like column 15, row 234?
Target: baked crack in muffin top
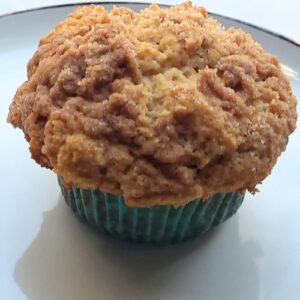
column 162, row 106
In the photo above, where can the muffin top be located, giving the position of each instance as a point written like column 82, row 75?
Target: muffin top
column 161, row 106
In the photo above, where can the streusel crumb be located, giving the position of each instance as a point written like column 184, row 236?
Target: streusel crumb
column 161, row 106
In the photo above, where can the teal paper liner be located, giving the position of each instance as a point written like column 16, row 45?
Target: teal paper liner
column 161, row 224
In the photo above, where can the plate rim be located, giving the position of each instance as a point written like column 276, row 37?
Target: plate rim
column 72, row 4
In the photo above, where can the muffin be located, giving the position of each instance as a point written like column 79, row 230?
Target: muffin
column 156, row 122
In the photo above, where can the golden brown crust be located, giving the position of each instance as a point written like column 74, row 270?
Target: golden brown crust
column 162, row 106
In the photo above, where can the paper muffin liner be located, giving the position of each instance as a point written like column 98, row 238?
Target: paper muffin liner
column 160, row 224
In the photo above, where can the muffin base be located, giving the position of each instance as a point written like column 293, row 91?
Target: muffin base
column 161, row 224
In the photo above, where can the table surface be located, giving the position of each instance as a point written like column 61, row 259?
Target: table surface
column 276, row 15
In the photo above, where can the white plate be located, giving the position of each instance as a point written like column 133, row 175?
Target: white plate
column 46, row 253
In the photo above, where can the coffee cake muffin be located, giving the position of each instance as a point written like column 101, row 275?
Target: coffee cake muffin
column 141, row 113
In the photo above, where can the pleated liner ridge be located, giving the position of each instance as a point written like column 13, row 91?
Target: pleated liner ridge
column 161, row 224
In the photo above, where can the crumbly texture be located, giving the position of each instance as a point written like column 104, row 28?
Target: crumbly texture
column 161, row 106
